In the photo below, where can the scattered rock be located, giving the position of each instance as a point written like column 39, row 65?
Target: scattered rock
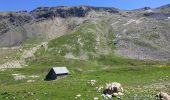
column 99, row 88
column 15, row 74
column 114, row 89
column 19, row 77
column 33, row 76
column 92, row 82
column 106, row 96
column 96, row 98
column 77, row 96
column 163, row 96
column 30, row 81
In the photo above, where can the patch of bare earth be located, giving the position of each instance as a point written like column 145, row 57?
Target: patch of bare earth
column 30, row 78
column 21, row 62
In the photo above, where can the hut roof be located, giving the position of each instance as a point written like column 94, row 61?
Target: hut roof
column 60, row 70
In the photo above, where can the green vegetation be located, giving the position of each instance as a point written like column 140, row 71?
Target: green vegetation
column 31, row 42
column 153, row 36
column 90, row 39
column 81, row 39
column 133, row 74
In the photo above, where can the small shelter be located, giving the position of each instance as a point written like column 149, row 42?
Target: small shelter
column 57, row 72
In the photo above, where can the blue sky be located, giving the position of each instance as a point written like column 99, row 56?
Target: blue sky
column 16, row 5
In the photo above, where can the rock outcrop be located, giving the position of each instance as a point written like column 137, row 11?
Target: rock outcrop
column 65, row 12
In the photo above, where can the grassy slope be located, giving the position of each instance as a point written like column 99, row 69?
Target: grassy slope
column 103, row 68
column 89, row 38
column 8, row 55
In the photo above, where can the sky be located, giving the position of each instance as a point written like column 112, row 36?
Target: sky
column 17, row 5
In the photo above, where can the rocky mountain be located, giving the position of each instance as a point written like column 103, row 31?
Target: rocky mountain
column 83, row 32
column 15, row 27
column 65, row 12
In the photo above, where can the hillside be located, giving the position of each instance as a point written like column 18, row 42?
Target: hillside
column 15, row 27
column 139, row 34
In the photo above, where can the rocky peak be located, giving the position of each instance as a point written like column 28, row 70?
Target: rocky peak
column 9, row 20
column 64, row 12
column 165, row 7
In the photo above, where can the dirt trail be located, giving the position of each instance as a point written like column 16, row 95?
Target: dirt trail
column 21, row 62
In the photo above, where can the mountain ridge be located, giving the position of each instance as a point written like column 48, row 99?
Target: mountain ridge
column 140, row 34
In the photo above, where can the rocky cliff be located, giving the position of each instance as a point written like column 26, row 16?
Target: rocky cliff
column 15, row 27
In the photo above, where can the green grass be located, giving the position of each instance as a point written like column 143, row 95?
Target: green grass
column 130, row 73
column 71, row 42
column 33, row 41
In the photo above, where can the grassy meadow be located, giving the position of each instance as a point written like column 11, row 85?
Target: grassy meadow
column 137, row 78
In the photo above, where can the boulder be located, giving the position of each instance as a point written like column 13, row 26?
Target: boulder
column 114, row 89
column 163, row 96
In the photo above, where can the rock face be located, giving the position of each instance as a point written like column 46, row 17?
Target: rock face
column 158, row 16
column 11, row 31
column 65, row 12
column 12, row 20
column 15, row 27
